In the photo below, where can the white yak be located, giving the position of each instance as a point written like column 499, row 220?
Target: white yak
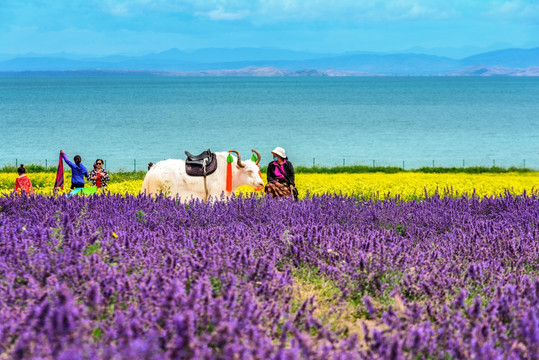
column 168, row 177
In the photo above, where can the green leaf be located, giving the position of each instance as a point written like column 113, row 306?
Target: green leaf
column 97, row 333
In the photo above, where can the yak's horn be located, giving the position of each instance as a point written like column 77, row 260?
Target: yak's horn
column 240, row 164
column 258, row 157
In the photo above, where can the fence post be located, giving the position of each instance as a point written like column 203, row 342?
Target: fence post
column 463, row 163
column 493, row 162
column 45, row 164
column 373, row 163
column 402, row 164
column 313, row 161
column 432, row 163
column 135, row 164
column 16, row 163
column 524, row 161
column 343, row 162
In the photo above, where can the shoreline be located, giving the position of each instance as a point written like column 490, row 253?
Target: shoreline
column 346, row 169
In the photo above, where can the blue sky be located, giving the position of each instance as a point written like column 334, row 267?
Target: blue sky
column 101, row 27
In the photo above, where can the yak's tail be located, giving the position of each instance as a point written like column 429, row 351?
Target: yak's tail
column 145, row 189
column 146, row 183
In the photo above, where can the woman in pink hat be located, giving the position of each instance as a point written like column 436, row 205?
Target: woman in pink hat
column 281, row 179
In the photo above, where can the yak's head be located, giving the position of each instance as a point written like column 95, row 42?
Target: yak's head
column 248, row 172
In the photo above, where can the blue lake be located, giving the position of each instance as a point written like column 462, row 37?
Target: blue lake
column 415, row 121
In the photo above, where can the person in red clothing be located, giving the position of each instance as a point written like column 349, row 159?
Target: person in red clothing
column 23, row 183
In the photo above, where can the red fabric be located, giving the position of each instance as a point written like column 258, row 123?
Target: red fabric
column 23, row 184
column 59, row 183
column 98, row 181
column 229, row 177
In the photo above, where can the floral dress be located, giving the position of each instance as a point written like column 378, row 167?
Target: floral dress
column 23, row 184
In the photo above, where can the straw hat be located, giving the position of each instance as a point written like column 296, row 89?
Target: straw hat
column 279, row 151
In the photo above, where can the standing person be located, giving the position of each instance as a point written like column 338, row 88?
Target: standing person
column 281, row 178
column 98, row 175
column 23, row 183
column 78, row 171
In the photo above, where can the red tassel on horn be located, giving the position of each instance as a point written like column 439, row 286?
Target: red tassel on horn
column 229, row 161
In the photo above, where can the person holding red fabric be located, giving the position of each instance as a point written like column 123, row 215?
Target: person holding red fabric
column 98, row 175
column 78, row 171
column 23, row 183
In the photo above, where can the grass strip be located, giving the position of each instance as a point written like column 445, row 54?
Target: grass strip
column 350, row 169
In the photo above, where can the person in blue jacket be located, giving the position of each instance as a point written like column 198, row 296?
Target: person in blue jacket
column 78, row 171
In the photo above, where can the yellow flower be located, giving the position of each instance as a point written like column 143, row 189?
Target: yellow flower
column 411, row 185
column 406, row 185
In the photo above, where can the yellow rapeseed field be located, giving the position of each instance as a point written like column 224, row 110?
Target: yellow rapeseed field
column 414, row 185
column 407, row 185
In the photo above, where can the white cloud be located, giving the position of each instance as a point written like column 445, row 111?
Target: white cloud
column 221, row 15
column 288, row 10
column 139, row 7
column 519, row 9
column 119, row 9
column 343, row 10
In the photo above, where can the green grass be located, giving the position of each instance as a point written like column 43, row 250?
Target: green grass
column 30, row 168
column 361, row 169
column 350, row 169
column 128, row 175
column 473, row 170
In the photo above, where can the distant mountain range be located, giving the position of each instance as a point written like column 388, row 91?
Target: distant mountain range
column 267, row 62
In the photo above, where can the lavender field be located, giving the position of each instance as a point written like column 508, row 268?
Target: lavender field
column 328, row 277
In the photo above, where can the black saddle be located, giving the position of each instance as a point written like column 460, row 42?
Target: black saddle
column 202, row 164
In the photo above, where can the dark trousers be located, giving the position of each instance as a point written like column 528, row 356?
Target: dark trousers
column 75, row 186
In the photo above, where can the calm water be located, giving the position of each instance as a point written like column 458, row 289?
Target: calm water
column 417, row 120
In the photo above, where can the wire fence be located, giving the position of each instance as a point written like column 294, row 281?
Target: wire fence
column 121, row 165
column 414, row 164
column 141, row 164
